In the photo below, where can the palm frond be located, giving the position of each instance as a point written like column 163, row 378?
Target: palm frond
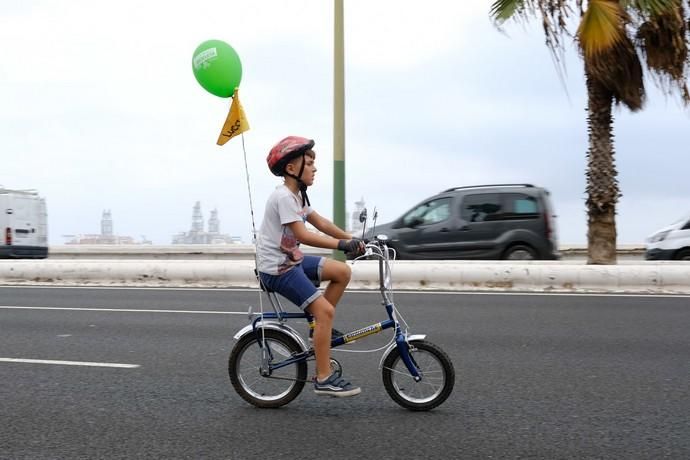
column 554, row 15
column 662, row 41
column 602, row 27
column 503, row 10
column 619, row 70
column 649, row 7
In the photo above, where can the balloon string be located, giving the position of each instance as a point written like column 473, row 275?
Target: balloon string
column 251, row 211
column 249, row 191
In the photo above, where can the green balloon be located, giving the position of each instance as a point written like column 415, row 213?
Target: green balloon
column 217, row 67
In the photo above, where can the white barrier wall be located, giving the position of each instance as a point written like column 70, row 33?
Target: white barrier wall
column 246, row 252
column 664, row 277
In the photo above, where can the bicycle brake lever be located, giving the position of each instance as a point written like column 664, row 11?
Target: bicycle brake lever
column 367, row 252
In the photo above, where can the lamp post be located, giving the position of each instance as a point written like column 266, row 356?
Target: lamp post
column 338, row 120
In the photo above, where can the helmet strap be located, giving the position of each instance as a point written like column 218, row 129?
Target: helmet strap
column 302, row 185
column 303, row 189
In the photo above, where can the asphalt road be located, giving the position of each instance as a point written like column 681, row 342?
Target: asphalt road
column 538, row 376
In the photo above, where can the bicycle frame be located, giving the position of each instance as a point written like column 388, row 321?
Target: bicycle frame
column 377, row 248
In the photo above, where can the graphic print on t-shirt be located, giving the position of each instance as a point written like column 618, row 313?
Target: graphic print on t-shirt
column 290, row 247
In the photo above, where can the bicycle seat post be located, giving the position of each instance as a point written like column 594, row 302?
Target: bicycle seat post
column 276, row 305
column 272, row 297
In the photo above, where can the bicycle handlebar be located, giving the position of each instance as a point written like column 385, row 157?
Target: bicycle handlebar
column 377, row 247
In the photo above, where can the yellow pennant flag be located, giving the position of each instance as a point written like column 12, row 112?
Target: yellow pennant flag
column 236, row 123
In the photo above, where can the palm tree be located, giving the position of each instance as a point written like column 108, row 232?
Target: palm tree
column 614, row 38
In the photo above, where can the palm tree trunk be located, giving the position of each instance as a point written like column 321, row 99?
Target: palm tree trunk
column 602, row 184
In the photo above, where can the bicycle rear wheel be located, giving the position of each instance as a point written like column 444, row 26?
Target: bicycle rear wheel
column 278, row 389
column 436, row 369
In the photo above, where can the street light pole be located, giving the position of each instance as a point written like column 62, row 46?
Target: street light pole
column 338, row 119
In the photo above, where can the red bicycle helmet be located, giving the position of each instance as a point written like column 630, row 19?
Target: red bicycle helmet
column 285, row 151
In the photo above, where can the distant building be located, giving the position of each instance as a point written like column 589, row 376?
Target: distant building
column 107, row 224
column 197, row 235
column 355, row 226
column 107, row 236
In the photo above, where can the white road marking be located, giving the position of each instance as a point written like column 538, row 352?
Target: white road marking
column 125, row 310
column 68, row 363
column 552, row 294
column 366, row 291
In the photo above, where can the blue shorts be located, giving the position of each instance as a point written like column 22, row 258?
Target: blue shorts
column 299, row 284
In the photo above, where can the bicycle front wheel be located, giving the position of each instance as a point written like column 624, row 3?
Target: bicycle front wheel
column 436, row 369
column 277, row 389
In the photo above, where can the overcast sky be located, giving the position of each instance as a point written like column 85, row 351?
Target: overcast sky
column 99, row 109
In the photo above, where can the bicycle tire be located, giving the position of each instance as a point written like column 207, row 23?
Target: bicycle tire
column 266, row 392
column 438, row 377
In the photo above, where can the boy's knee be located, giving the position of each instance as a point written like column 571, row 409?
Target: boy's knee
column 337, row 271
column 329, row 313
column 344, row 272
column 322, row 309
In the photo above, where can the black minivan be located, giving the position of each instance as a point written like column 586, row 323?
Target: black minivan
column 504, row 221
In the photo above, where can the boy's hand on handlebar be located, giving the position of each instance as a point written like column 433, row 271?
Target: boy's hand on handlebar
column 354, row 246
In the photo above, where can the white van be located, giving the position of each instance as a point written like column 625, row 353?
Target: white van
column 23, row 225
column 670, row 243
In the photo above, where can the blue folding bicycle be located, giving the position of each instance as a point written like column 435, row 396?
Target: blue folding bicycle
column 268, row 364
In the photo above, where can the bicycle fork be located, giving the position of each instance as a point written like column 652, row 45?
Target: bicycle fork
column 266, row 357
column 403, row 345
column 404, row 349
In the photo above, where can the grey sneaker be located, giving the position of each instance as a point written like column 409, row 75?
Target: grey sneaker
column 335, row 386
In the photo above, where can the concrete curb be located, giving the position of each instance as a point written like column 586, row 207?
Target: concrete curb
column 664, row 277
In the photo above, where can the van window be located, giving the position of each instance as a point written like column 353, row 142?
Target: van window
column 525, row 205
column 481, row 207
column 431, row 212
column 520, row 206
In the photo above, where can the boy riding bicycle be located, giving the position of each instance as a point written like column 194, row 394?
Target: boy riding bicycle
column 283, row 267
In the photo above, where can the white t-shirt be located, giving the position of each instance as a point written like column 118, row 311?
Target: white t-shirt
column 277, row 249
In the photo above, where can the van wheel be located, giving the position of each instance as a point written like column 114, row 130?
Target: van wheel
column 683, row 254
column 520, row 252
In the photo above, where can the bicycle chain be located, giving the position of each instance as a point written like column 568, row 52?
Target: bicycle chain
column 293, row 380
column 288, row 378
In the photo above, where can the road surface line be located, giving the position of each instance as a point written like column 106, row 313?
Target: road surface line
column 125, row 310
column 67, row 363
column 370, row 291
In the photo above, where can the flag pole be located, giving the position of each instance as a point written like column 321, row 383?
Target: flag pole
column 338, row 121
